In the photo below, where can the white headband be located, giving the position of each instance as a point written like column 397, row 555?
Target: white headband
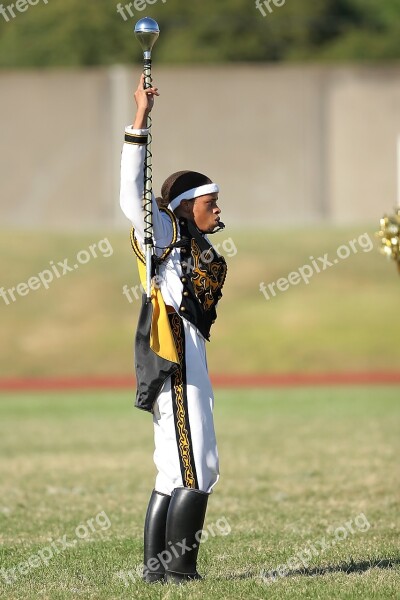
column 210, row 188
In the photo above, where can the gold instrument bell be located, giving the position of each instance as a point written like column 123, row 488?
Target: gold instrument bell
column 389, row 235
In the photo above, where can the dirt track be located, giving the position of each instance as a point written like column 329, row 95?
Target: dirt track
column 219, row 381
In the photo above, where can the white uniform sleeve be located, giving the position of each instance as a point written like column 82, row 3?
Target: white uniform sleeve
column 132, row 186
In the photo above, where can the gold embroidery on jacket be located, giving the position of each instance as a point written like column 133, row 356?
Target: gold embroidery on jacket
column 207, row 278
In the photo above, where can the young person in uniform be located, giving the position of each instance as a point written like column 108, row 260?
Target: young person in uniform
column 170, row 355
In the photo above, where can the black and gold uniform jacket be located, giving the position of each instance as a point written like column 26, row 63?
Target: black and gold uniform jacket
column 203, row 274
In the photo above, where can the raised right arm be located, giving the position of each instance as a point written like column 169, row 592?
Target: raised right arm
column 131, row 191
column 132, row 169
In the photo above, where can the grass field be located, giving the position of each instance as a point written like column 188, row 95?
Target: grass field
column 346, row 318
column 296, row 465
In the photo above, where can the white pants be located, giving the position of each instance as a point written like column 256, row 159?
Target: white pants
column 185, row 446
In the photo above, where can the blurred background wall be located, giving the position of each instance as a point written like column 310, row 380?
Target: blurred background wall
column 288, row 144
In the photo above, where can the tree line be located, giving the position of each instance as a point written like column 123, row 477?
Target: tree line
column 48, row 33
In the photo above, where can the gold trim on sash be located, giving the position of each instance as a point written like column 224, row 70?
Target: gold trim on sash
column 161, row 338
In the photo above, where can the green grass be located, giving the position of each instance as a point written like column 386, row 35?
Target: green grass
column 345, row 319
column 294, row 463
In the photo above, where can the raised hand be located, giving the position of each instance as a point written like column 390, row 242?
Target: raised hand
column 144, row 99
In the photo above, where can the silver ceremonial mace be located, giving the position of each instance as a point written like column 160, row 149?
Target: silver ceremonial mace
column 147, row 32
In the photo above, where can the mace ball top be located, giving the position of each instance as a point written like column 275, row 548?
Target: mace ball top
column 147, row 25
column 147, row 32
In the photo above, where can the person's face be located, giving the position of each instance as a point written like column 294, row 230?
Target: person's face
column 203, row 211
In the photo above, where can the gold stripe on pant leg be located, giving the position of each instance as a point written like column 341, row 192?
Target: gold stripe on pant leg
column 180, row 408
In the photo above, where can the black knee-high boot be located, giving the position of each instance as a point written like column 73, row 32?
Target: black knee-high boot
column 154, row 536
column 185, row 521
